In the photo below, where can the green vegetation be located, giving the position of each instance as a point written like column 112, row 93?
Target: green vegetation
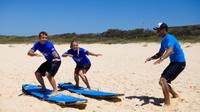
column 190, row 33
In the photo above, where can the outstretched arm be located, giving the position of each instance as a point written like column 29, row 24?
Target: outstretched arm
column 93, row 54
column 165, row 55
column 67, row 55
column 156, row 56
column 32, row 53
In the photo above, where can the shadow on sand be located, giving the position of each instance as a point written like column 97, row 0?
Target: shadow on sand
column 112, row 99
column 147, row 100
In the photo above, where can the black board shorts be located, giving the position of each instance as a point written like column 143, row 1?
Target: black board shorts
column 82, row 67
column 173, row 70
column 50, row 67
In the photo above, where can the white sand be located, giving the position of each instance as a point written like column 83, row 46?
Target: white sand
column 120, row 69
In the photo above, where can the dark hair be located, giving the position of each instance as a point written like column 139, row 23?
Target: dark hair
column 166, row 29
column 43, row 33
column 72, row 43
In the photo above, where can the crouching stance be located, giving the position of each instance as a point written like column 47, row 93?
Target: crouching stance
column 52, row 63
column 170, row 47
column 83, row 63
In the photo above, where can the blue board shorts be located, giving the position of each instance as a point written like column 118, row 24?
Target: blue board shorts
column 50, row 67
column 85, row 67
column 173, row 70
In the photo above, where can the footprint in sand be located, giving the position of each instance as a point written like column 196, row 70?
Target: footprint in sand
column 11, row 46
column 181, row 100
column 187, row 45
column 145, row 45
column 179, row 91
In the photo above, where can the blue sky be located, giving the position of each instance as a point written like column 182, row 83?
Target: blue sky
column 29, row 17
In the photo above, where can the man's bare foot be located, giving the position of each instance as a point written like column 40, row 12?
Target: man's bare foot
column 53, row 94
column 77, row 86
column 42, row 90
column 88, row 88
column 167, row 102
column 175, row 96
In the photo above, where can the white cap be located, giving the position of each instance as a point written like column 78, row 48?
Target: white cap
column 161, row 25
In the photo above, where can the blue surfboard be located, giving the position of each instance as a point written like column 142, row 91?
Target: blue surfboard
column 90, row 93
column 34, row 90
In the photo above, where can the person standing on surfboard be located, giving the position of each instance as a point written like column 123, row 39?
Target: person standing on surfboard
column 171, row 48
column 83, row 64
column 50, row 67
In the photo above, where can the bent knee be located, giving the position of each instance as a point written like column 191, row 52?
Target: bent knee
column 162, row 81
column 80, row 72
column 49, row 76
column 37, row 74
column 75, row 75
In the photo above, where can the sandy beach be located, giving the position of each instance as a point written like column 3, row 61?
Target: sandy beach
column 121, row 69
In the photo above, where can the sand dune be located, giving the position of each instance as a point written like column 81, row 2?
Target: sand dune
column 120, row 69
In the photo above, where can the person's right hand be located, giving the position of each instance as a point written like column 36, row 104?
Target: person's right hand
column 148, row 59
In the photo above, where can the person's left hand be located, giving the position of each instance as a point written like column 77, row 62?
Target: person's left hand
column 98, row 55
column 158, row 61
